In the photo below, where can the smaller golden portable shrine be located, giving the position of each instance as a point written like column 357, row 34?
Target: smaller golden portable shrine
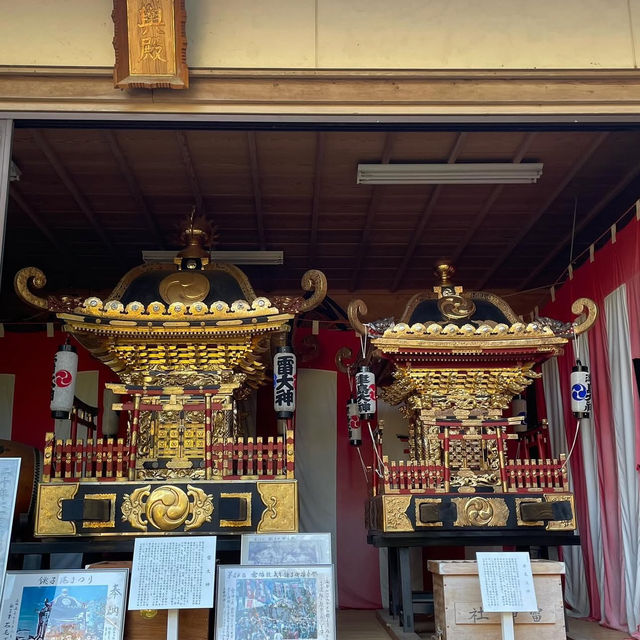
column 188, row 340
column 453, row 364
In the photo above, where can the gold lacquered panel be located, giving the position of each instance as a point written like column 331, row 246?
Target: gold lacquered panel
column 395, row 513
column 281, row 502
column 49, row 510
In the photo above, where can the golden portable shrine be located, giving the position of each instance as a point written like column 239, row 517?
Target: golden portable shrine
column 452, row 364
column 188, row 339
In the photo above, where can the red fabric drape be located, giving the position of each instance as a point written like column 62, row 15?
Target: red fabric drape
column 357, row 562
column 29, row 357
column 614, row 265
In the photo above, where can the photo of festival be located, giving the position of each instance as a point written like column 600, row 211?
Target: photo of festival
column 276, row 609
column 294, row 551
column 68, row 613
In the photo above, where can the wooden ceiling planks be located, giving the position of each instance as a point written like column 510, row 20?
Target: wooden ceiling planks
column 107, row 194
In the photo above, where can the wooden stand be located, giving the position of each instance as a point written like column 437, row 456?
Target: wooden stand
column 138, row 626
column 172, row 624
column 458, row 604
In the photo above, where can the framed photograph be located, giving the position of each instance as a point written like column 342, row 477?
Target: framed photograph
column 285, row 549
column 64, row 605
column 279, row 603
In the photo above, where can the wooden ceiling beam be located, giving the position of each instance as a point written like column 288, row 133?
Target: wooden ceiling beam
column 584, row 220
column 37, row 220
column 73, row 189
column 533, row 219
column 315, row 205
column 374, row 200
column 134, row 188
column 187, row 161
column 427, row 212
column 497, row 190
column 255, row 186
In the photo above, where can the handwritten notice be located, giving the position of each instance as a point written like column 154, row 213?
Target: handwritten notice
column 9, row 473
column 173, row 573
column 506, row 582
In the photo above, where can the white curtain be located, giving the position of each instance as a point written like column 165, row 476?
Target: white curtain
column 575, row 583
column 590, row 464
column 316, row 451
column 624, row 417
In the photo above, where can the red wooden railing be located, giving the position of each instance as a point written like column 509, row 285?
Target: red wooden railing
column 108, row 459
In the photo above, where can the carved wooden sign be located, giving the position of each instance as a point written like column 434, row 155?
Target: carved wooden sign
column 150, row 44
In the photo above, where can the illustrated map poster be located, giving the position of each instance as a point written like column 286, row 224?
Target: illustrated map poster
column 173, row 573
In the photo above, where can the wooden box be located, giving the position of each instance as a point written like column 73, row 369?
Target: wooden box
column 458, row 603
column 152, row 625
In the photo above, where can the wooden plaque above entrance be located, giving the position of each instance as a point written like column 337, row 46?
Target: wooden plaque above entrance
column 150, row 44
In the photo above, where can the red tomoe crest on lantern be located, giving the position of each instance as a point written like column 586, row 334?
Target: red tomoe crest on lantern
column 63, row 382
column 353, row 422
column 63, row 378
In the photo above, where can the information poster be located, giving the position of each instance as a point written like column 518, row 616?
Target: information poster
column 173, row 573
column 9, row 474
column 506, row 582
column 64, row 605
column 275, row 602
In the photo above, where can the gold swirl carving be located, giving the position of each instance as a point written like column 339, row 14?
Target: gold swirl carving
column 313, row 280
column 184, row 286
column 167, row 508
column 395, row 513
column 577, row 308
column 281, row 507
column 26, row 276
column 356, row 309
column 456, row 307
column 481, row 512
column 133, row 507
column 201, row 508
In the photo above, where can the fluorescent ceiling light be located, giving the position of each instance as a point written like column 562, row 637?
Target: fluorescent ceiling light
column 463, row 173
column 234, row 257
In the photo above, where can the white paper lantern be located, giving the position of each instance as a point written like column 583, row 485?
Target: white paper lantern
column 63, row 382
column 284, row 382
column 353, row 422
column 580, row 391
column 366, row 393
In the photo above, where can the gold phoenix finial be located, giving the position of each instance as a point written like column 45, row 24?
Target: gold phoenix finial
column 445, row 272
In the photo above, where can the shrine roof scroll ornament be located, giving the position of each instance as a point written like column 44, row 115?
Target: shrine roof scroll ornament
column 150, row 44
column 165, row 317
